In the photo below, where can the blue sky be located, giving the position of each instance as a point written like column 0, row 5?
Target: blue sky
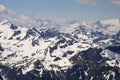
column 68, row 9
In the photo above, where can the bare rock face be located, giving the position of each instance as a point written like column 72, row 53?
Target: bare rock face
column 57, row 54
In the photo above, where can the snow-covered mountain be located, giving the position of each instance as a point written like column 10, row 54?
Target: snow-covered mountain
column 48, row 51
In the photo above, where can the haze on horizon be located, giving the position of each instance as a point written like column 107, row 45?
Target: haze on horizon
column 66, row 9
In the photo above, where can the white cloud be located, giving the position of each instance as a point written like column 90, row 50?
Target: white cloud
column 5, row 10
column 95, row 2
column 88, row 2
column 2, row 7
column 115, row 2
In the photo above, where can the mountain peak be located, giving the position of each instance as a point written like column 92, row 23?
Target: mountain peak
column 47, row 53
column 115, row 22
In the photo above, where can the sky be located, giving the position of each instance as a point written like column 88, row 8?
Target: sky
column 68, row 9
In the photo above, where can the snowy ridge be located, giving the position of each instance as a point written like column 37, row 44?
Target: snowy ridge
column 44, row 51
column 22, row 48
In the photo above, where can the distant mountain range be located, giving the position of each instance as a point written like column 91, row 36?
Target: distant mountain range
column 50, row 51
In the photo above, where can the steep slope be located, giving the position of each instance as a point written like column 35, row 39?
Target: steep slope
column 81, row 53
column 23, row 46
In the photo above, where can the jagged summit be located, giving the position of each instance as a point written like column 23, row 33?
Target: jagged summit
column 75, row 50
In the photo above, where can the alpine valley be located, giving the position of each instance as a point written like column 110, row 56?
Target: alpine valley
column 50, row 51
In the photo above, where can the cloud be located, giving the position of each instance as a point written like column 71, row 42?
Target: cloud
column 12, row 16
column 5, row 10
column 115, row 2
column 88, row 2
column 2, row 7
column 25, row 19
